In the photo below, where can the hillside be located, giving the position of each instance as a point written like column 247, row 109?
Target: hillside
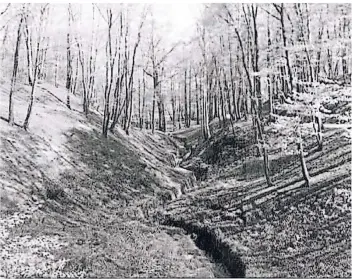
column 182, row 140
column 75, row 204
column 285, row 230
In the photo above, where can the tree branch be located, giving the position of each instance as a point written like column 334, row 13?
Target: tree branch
column 149, row 74
column 7, row 7
column 165, row 56
column 274, row 16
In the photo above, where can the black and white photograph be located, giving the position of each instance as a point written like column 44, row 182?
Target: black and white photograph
column 175, row 140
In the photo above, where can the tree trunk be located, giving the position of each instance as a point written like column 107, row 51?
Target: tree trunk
column 222, row 102
column 266, row 166
column 173, row 105
column 197, row 100
column 190, row 98
column 56, row 73
column 317, row 126
column 75, row 79
column 233, row 87
column 284, row 38
column 109, row 75
column 68, row 70
column 269, row 76
column 28, row 41
column 153, row 108
column 186, row 103
column 36, row 65
column 206, row 131
column 143, row 106
column 257, row 89
column 14, row 72
column 303, row 162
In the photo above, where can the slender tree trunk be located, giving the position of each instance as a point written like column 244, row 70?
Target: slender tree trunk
column 85, row 90
column 69, row 71
column 119, row 82
column 303, row 162
column 28, row 41
column 186, row 103
column 346, row 29
column 68, row 60
column 14, row 72
column 139, row 103
column 190, row 98
column 317, row 126
column 41, row 70
column 56, row 73
column 284, row 38
column 31, row 101
column 269, row 76
column 222, row 102
column 75, row 79
column 233, row 87
column 144, row 96
column 153, row 108
column 197, row 99
column 36, row 66
column 173, row 105
column 109, row 76
column 130, row 82
column 258, row 94
column 206, row 131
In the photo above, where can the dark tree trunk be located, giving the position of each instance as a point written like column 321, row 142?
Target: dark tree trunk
column 155, row 81
column 36, row 67
column 303, row 163
column 68, row 70
column 143, row 106
column 197, row 100
column 28, row 41
column 186, row 103
column 190, row 99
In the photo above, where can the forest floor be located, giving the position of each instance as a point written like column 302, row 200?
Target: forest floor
column 75, row 204
column 286, row 230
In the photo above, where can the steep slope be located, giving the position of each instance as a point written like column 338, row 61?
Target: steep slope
column 287, row 230
column 75, row 204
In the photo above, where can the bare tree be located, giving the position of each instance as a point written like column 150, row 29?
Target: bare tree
column 68, row 59
column 129, row 97
column 15, row 66
column 156, row 60
column 109, row 71
column 205, row 103
column 42, row 25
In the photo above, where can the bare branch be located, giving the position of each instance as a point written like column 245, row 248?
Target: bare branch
column 278, row 8
column 274, row 16
column 101, row 13
column 149, row 74
column 166, row 54
column 229, row 13
column 7, row 7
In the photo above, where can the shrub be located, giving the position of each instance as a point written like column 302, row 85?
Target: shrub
column 54, row 192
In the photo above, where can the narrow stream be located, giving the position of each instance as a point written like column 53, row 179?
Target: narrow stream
column 227, row 263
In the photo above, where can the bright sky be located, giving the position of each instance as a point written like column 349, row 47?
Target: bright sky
column 179, row 17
